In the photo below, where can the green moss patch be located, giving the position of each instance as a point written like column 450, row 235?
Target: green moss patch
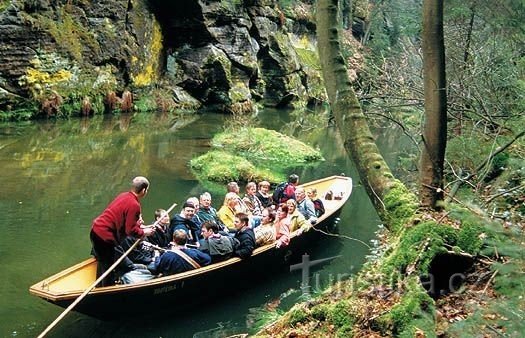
column 401, row 205
column 247, row 154
column 221, row 166
column 414, row 311
column 266, row 146
column 418, row 246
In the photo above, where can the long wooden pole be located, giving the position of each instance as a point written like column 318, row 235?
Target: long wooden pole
column 92, row 286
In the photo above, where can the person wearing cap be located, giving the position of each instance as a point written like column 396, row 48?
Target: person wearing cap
column 196, row 204
column 121, row 218
column 184, row 221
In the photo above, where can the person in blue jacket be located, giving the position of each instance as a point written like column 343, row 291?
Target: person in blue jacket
column 180, row 258
column 184, row 221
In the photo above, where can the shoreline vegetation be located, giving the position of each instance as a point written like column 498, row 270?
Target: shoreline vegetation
column 451, row 274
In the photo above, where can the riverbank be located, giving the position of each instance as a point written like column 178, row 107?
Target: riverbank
column 462, row 294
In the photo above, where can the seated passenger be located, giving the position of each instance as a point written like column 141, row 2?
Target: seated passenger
column 251, row 200
column 304, row 205
column 196, row 219
column 228, row 210
column 161, row 235
column 219, row 247
column 265, row 233
column 297, row 220
column 208, row 213
column 234, row 188
column 263, row 194
column 318, row 204
column 255, row 206
column 139, row 255
column 180, row 258
column 244, row 235
column 184, row 221
column 282, row 226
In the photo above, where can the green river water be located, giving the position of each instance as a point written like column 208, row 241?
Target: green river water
column 58, row 175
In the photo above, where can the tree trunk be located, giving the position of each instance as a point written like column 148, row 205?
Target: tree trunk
column 435, row 126
column 353, row 126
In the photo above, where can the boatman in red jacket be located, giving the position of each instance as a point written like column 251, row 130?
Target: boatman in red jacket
column 121, row 218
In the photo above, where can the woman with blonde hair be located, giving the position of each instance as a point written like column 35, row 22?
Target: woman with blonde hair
column 297, row 220
column 228, row 210
column 263, row 194
column 265, row 233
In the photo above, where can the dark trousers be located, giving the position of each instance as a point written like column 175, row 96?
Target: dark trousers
column 104, row 252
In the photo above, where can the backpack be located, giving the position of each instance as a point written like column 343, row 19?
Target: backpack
column 278, row 193
column 319, row 207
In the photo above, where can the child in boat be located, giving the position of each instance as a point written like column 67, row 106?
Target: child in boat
column 161, row 236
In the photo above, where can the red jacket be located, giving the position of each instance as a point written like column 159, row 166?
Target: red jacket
column 120, row 219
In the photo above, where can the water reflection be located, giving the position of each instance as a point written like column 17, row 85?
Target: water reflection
column 58, row 175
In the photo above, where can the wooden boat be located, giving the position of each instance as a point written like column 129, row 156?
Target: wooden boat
column 189, row 287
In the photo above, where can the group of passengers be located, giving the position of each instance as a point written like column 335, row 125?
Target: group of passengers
column 200, row 235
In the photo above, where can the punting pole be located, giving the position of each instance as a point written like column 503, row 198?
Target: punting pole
column 92, row 286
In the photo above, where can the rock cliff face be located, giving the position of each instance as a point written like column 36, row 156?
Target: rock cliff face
column 231, row 55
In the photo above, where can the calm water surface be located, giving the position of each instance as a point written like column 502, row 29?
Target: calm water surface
column 58, row 175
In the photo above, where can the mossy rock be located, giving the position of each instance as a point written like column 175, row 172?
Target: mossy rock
column 221, row 166
column 267, row 147
column 252, row 154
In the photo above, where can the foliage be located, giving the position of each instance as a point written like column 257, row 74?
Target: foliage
column 320, row 311
column 297, row 315
column 220, row 166
column 471, row 229
column 4, row 4
column 22, row 112
column 339, row 315
column 266, row 147
column 506, row 311
column 414, row 307
column 418, row 246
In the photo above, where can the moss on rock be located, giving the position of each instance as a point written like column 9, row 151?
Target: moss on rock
column 401, row 205
column 221, row 166
column 244, row 154
column 268, row 147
